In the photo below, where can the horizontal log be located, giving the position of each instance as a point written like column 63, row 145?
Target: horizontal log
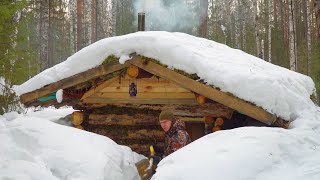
column 190, row 119
column 145, row 95
column 123, row 119
column 108, row 101
column 141, row 89
column 183, row 110
column 144, row 82
column 134, row 135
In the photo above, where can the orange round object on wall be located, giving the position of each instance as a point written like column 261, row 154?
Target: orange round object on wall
column 216, row 128
column 218, row 122
column 133, row 71
column 201, row 99
column 208, row 120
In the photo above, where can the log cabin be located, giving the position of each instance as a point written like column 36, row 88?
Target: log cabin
column 123, row 101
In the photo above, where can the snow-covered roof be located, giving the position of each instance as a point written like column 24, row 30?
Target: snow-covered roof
column 275, row 89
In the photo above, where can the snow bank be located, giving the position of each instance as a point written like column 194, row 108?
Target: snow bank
column 276, row 89
column 248, row 153
column 35, row 148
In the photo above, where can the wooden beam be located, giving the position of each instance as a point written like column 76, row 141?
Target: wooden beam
column 123, row 119
column 205, row 90
column 72, row 81
column 107, row 101
column 146, row 96
column 124, row 89
column 182, row 110
column 120, row 134
column 94, row 90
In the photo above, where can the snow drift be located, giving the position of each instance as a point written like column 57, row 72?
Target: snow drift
column 35, row 148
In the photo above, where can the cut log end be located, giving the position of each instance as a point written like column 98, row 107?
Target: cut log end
column 216, row 128
column 219, row 122
column 208, row 120
column 133, row 71
column 79, row 127
column 77, row 118
column 201, row 99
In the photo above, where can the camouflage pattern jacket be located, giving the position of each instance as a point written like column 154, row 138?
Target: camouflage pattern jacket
column 176, row 137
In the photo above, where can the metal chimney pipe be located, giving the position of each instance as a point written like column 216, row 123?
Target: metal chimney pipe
column 141, row 21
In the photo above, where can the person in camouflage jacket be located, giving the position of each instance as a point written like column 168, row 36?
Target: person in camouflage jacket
column 175, row 130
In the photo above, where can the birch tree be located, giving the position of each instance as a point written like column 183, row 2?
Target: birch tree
column 292, row 40
column 44, row 34
column 269, row 28
column 307, row 22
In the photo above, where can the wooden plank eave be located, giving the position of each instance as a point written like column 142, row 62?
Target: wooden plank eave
column 71, row 81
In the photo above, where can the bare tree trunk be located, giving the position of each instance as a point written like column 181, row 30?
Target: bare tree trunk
column 275, row 13
column 262, row 49
column 237, row 23
column 44, row 34
column 86, row 20
column 306, row 17
column 292, row 40
column 114, row 16
column 269, row 29
column 257, row 34
column 79, row 24
column 317, row 14
column 93, row 21
column 50, row 47
column 203, row 30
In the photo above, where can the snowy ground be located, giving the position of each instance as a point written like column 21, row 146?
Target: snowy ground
column 33, row 147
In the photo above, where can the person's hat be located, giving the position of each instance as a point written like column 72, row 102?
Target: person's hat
column 168, row 115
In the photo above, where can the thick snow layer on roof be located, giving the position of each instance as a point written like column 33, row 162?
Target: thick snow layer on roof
column 276, row 89
column 33, row 147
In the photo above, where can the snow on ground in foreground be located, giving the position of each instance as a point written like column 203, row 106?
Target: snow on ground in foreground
column 36, row 148
column 249, row 153
column 276, row 89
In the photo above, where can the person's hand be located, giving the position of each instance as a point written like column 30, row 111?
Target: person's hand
column 156, row 159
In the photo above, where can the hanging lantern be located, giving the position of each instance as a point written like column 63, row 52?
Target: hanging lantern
column 133, row 90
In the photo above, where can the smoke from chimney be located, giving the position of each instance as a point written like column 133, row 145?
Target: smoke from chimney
column 168, row 15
